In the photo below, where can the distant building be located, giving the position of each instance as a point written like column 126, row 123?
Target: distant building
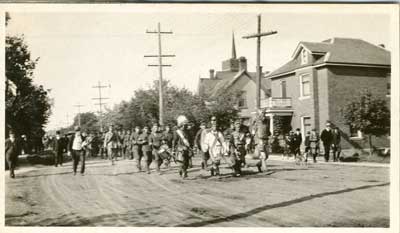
column 234, row 76
column 321, row 77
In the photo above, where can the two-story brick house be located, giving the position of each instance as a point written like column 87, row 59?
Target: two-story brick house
column 321, row 77
column 234, row 76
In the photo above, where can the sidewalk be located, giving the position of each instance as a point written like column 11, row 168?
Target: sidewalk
column 320, row 160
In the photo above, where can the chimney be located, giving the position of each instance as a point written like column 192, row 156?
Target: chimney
column 381, row 45
column 212, row 74
column 242, row 63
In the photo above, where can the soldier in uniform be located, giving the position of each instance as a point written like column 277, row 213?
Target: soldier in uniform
column 143, row 141
column 168, row 135
column 127, row 144
column 136, row 147
column 111, row 141
column 181, row 145
column 155, row 139
column 237, row 149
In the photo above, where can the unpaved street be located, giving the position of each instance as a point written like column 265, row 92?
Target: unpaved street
column 287, row 195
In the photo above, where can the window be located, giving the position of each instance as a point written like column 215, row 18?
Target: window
column 304, row 57
column 283, row 89
column 305, row 85
column 355, row 133
column 242, row 100
column 306, row 125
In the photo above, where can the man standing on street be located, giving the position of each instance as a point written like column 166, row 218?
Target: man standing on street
column 111, row 141
column 13, row 149
column 76, row 149
column 326, row 138
column 58, row 147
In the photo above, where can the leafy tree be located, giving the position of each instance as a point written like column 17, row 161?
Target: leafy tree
column 28, row 106
column 368, row 114
column 89, row 121
column 143, row 108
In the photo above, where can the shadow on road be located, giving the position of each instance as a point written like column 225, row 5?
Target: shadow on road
column 273, row 206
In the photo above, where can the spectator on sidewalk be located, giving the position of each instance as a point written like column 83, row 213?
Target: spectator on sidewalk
column 58, row 147
column 336, row 148
column 326, row 138
column 13, row 149
column 314, row 144
column 297, row 140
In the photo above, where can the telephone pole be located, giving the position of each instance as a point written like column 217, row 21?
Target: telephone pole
column 160, row 66
column 258, row 35
column 100, row 103
column 79, row 113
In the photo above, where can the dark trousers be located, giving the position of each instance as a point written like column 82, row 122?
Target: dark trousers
column 327, row 148
column 183, row 161
column 58, row 158
column 78, row 155
column 12, row 163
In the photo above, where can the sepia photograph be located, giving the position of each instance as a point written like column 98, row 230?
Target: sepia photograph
column 216, row 115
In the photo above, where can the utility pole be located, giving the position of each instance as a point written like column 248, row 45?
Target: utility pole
column 160, row 66
column 100, row 103
column 79, row 113
column 258, row 35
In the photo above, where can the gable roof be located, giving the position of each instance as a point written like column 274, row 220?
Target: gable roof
column 225, row 79
column 337, row 50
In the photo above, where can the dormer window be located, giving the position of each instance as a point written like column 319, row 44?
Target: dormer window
column 304, row 57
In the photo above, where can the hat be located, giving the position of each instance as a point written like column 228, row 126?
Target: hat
column 181, row 120
column 77, row 128
column 213, row 118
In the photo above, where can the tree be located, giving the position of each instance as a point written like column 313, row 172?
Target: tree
column 368, row 114
column 143, row 108
column 28, row 106
column 89, row 121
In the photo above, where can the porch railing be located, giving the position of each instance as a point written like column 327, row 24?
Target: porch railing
column 276, row 102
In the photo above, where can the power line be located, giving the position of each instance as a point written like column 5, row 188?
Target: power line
column 79, row 113
column 100, row 103
column 160, row 65
column 258, row 35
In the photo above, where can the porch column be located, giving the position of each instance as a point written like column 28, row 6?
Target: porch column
column 271, row 124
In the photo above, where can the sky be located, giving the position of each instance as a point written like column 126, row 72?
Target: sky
column 79, row 49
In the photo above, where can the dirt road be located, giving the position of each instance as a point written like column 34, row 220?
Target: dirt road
column 286, row 195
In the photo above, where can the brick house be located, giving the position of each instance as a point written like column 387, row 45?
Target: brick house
column 321, row 77
column 234, row 76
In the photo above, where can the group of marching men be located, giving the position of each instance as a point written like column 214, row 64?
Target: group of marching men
column 179, row 145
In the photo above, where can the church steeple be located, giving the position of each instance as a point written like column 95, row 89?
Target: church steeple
column 233, row 46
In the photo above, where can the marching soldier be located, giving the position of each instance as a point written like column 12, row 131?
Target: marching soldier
column 111, row 141
column 237, row 149
column 143, row 141
column 136, row 147
column 168, row 136
column 181, row 145
column 155, row 144
column 127, row 144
